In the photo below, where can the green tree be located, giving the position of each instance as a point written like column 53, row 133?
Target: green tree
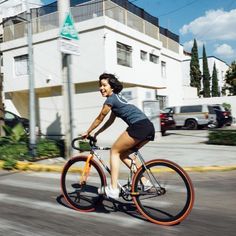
column 230, row 80
column 214, row 84
column 195, row 73
column 205, row 75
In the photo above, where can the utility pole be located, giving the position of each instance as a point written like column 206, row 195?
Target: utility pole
column 68, row 89
column 32, row 142
column 2, row 133
column 2, row 123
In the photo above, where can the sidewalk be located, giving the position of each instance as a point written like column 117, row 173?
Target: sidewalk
column 186, row 148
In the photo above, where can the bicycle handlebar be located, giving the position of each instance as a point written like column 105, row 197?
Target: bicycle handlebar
column 92, row 143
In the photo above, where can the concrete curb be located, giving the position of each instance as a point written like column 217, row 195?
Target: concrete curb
column 30, row 166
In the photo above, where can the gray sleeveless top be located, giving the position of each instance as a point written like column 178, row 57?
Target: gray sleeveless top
column 121, row 108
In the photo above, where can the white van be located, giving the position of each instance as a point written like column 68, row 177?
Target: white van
column 193, row 116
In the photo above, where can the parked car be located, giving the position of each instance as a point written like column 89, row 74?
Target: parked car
column 223, row 117
column 167, row 122
column 192, row 116
column 12, row 120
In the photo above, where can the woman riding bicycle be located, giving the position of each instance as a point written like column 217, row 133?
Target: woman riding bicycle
column 140, row 129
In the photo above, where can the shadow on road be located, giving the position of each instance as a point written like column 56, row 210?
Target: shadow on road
column 108, row 206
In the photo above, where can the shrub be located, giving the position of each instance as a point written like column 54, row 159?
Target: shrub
column 222, row 137
column 19, row 151
column 227, row 106
column 9, row 164
column 14, row 151
column 14, row 135
column 47, row 148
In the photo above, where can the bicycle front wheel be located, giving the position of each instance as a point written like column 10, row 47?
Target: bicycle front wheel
column 80, row 189
column 170, row 196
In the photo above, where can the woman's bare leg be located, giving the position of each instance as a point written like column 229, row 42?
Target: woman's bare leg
column 127, row 158
column 121, row 145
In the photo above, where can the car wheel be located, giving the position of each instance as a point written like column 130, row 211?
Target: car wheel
column 191, row 124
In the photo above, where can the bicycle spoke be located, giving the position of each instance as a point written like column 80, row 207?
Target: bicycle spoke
column 82, row 193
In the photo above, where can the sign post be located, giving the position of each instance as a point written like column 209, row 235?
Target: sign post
column 68, row 30
column 68, row 37
column 68, row 46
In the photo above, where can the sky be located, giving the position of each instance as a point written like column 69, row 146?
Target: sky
column 210, row 22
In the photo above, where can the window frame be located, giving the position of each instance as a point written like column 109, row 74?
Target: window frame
column 21, row 64
column 163, row 69
column 143, row 55
column 153, row 58
column 124, row 54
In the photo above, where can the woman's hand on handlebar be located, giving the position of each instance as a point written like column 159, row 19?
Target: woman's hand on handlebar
column 87, row 135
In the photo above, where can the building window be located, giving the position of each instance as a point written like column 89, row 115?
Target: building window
column 124, row 54
column 163, row 69
column 21, row 65
column 143, row 55
column 153, row 58
column 127, row 95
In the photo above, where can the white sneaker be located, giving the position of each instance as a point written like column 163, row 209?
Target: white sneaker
column 148, row 185
column 101, row 191
column 109, row 191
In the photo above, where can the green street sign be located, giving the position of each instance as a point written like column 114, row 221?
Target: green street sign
column 68, row 30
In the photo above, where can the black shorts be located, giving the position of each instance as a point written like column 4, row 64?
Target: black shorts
column 142, row 130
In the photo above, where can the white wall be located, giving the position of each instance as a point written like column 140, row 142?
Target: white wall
column 174, row 88
column 91, row 62
column 189, row 93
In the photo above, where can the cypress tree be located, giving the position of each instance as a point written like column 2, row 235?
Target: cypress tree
column 230, row 79
column 205, row 75
column 195, row 73
column 215, row 86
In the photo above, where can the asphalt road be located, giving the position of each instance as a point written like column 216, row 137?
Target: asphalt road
column 31, row 204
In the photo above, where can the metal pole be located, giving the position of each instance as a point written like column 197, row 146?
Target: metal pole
column 32, row 142
column 63, row 9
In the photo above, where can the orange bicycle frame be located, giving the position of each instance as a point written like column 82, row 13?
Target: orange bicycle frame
column 86, row 170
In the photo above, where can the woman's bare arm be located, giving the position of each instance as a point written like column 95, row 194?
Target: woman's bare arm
column 107, row 124
column 105, row 110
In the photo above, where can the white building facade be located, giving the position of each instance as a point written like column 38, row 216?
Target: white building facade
column 145, row 57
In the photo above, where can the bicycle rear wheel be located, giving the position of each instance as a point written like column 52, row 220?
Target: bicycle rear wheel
column 80, row 193
column 171, row 197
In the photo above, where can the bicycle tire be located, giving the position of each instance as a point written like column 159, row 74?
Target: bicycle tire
column 174, row 201
column 82, row 197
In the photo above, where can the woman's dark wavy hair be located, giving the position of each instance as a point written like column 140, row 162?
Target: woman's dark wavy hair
column 115, row 84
